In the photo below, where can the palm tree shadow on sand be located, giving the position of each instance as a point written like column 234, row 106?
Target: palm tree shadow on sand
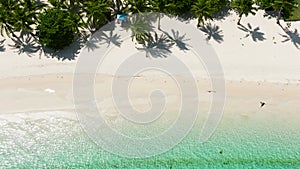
column 255, row 33
column 30, row 46
column 110, row 38
column 69, row 52
column 2, row 48
column 107, row 35
column 270, row 14
column 157, row 43
column 25, row 44
column 292, row 36
column 101, row 38
column 212, row 32
column 178, row 40
column 156, row 46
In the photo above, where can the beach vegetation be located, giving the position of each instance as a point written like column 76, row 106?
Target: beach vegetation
column 57, row 23
column 296, row 13
column 243, row 7
column 98, row 13
column 265, row 4
column 18, row 16
column 57, row 28
column 140, row 28
column 137, row 6
column 174, row 7
column 205, row 9
column 284, row 8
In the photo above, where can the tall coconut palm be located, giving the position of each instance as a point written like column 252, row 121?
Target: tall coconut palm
column 140, row 27
column 161, row 6
column 180, row 7
column 243, row 7
column 203, row 10
column 97, row 12
column 25, row 16
column 137, row 6
column 6, row 17
column 18, row 16
column 284, row 7
column 118, row 6
column 75, row 7
column 265, row 4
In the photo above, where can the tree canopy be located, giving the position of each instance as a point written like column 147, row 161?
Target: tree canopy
column 57, row 23
column 244, row 7
column 57, row 28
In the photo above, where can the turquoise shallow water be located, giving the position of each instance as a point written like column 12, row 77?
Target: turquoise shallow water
column 59, row 142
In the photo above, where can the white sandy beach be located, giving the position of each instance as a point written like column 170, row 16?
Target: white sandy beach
column 267, row 70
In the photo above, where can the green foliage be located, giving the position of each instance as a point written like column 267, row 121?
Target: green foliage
column 244, row 7
column 204, row 9
column 18, row 15
column 284, row 7
column 55, row 25
column 73, row 6
column 265, row 4
column 137, row 6
column 57, row 28
column 175, row 7
column 139, row 28
column 6, row 22
column 296, row 13
column 97, row 12
column 180, row 7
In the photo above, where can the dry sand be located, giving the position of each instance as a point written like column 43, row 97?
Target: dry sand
column 267, row 70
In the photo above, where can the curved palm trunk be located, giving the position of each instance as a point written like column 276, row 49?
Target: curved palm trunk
column 200, row 22
column 158, row 24
column 240, row 18
column 279, row 14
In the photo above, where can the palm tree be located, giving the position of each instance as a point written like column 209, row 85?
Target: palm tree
column 179, row 7
column 243, row 7
column 25, row 16
column 73, row 6
column 284, row 7
column 203, row 10
column 140, row 27
column 97, row 12
column 137, row 6
column 6, row 17
column 119, row 7
column 265, row 4
column 206, row 9
column 162, row 7
column 19, row 16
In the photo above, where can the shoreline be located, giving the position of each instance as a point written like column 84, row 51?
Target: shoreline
column 27, row 94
